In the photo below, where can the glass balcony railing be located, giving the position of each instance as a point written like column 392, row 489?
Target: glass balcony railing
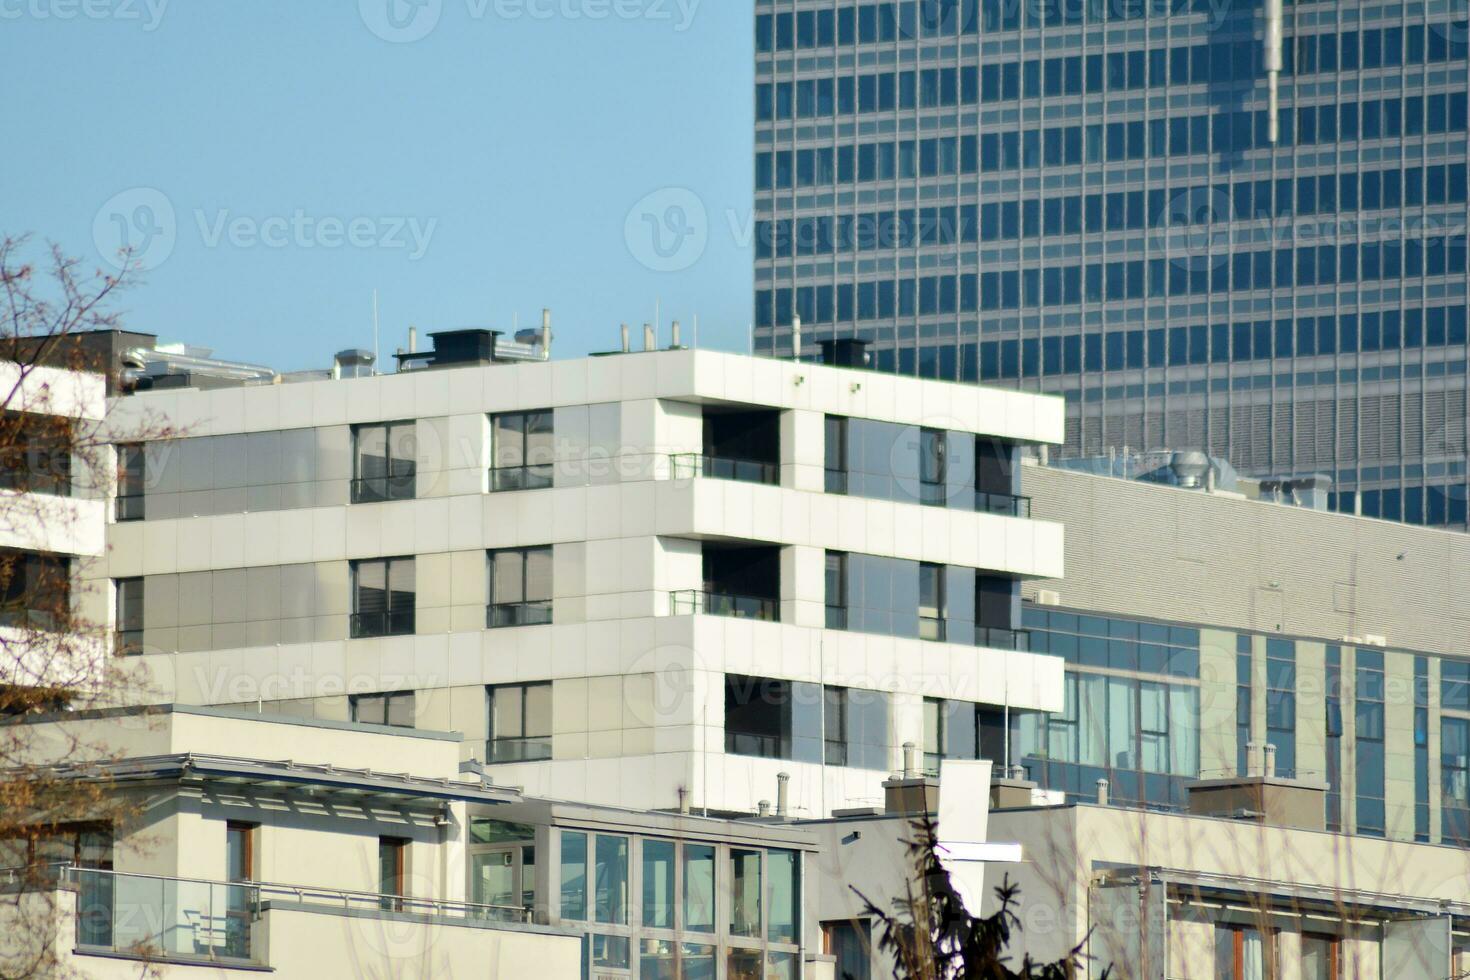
column 380, row 489
column 398, row 622
column 1007, row 504
column 1002, row 639
column 687, row 466
column 193, row 920
column 695, row 601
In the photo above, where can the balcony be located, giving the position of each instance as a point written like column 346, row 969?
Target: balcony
column 219, row 923
column 687, row 466
column 698, row 601
column 1005, row 504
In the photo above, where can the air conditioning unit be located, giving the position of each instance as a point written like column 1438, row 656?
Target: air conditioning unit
column 1048, row 597
column 1374, row 640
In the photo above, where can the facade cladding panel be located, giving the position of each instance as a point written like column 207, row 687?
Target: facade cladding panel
column 1081, row 197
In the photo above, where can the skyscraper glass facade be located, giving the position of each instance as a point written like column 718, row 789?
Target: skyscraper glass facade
column 1081, row 197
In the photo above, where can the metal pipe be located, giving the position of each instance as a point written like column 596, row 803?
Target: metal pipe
column 1274, row 64
column 627, row 342
column 796, row 338
column 546, row 331
column 783, row 779
column 649, row 342
column 908, row 760
column 674, row 343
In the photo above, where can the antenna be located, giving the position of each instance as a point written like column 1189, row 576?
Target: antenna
column 375, row 331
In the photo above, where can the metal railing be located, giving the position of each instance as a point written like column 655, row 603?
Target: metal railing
column 693, row 601
column 1007, row 504
column 369, row 624
column 197, row 919
column 503, row 614
column 687, row 466
column 1002, row 639
column 533, row 476
column 378, row 489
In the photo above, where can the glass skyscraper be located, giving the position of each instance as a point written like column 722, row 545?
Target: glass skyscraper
column 1082, row 197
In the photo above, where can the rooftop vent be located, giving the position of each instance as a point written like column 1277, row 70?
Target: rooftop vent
column 353, row 363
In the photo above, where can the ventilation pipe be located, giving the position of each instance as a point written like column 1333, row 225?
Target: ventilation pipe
column 1268, row 768
column 783, row 779
column 796, row 338
column 763, row 809
column 1273, row 69
column 627, row 341
column 674, row 344
column 413, row 339
column 649, row 342
column 1102, row 792
column 546, row 331
column 909, row 770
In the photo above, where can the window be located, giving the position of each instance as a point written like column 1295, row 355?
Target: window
column 1368, row 715
column 240, row 901
column 131, row 476
column 35, row 453
column 757, row 717
column 836, row 452
column 1281, row 703
column 834, row 725
column 128, row 612
column 612, row 879
column 574, row 876
column 931, row 602
column 784, row 925
column 35, row 590
column 522, row 451
column 699, row 888
column 932, row 454
column 1244, row 953
column 520, row 722
column 392, row 872
column 384, row 462
column 395, row 709
column 382, row 597
column 745, row 893
column 658, row 884
column 836, row 590
column 1321, row 957
column 850, row 943
column 520, row 587
column 240, row 851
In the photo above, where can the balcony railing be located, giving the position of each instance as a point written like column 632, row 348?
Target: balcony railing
column 537, row 476
column 377, row 489
column 1002, row 639
column 687, row 466
column 694, row 601
column 761, row 746
column 195, row 920
column 1007, row 504
column 383, row 623
column 504, row 614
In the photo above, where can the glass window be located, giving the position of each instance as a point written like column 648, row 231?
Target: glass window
column 932, row 455
column 522, row 450
column 395, row 709
column 699, row 888
column 784, row 925
column 610, row 951
column 382, row 597
column 129, row 616
column 850, row 942
column 836, row 454
column 836, row 590
column 743, row 964
column 931, row 602
column 745, row 894
column 392, row 869
column 520, row 587
column 834, row 725
column 1320, row 957
column 658, row 884
column 131, row 482
column 574, row 875
column 612, row 879
column 384, row 461
column 696, row 961
column 520, row 722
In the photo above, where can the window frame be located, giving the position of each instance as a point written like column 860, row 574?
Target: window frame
column 937, row 630
column 525, row 612
column 530, row 746
column 128, row 639
column 525, row 475
column 130, row 499
column 389, row 485
column 386, row 700
column 395, row 622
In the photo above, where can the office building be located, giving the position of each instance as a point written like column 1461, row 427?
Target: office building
column 1097, row 199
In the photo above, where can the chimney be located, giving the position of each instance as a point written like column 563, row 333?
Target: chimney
column 1269, row 765
column 763, row 809
column 782, row 781
column 546, row 331
column 1102, row 792
column 908, row 761
column 413, row 339
column 674, row 343
column 683, row 800
column 627, row 343
column 649, row 341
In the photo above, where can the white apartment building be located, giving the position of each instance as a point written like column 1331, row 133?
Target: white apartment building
column 54, row 460
column 654, row 579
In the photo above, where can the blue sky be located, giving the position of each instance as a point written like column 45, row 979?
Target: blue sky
column 274, row 161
